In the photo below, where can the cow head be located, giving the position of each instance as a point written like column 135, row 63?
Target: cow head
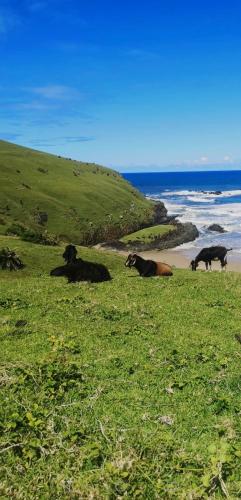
column 193, row 265
column 70, row 253
column 131, row 260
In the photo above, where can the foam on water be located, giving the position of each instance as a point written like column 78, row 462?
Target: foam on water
column 204, row 209
column 203, row 195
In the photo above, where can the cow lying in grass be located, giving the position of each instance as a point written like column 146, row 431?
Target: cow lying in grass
column 79, row 269
column 82, row 271
column 207, row 255
column 147, row 268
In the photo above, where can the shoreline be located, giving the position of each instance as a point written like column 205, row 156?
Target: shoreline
column 178, row 258
column 181, row 259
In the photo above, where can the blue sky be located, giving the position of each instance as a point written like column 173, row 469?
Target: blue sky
column 137, row 85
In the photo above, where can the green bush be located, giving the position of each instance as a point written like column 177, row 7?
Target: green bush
column 27, row 234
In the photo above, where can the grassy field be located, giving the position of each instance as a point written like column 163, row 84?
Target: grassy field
column 123, row 389
column 148, row 234
column 76, row 196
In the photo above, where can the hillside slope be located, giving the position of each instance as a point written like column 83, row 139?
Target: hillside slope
column 75, row 197
column 123, row 389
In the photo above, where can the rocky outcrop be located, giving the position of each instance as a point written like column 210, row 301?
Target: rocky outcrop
column 181, row 234
column 160, row 215
column 217, row 228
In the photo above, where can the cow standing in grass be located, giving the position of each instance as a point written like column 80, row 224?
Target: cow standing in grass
column 147, row 268
column 207, row 255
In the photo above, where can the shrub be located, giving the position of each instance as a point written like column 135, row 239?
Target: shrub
column 9, row 260
column 28, row 234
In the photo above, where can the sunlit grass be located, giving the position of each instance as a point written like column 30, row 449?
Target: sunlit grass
column 148, row 234
column 128, row 388
column 76, row 196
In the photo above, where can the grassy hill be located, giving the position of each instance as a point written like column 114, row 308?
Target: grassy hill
column 123, row 389
column 77, row 197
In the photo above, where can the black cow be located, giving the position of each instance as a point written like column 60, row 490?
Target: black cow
column 211, row 253
column 69, row 254
column 81, row 270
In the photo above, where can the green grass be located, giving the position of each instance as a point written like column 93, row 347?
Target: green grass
column 123, row 389
column 75, row 195
column 148, row 234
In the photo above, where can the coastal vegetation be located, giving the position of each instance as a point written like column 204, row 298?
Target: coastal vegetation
column 148, row 234
column 48, row 199
column 123, row 389
column 45, row 198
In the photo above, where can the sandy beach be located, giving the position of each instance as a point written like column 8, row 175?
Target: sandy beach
column 181, row 259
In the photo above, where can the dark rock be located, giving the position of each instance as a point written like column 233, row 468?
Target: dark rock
column 160, row 213
column 42, row 218
column 217, row 228
column 212, row 192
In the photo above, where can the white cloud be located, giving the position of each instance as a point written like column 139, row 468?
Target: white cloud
column 204, row 158
column 33, row 105
column 227, row 158
column 57, row 92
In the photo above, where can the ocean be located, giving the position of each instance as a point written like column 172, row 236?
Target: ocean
column 203, row 198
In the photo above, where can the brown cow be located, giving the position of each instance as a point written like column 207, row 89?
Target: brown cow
column 147, row 268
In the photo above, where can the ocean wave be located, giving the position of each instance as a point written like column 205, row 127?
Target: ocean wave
column 227, row 215
column 201, row 196
column 199, row 199
column 189, row 192
column 203, row 199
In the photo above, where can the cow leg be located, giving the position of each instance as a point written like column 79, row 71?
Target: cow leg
column 210, row 265
column 206, row 265
column 223, row 264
